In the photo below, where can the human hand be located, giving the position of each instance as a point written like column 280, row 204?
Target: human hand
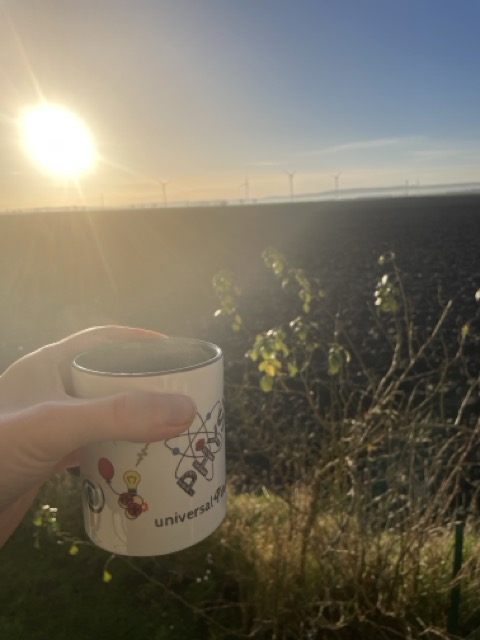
column 42, row 426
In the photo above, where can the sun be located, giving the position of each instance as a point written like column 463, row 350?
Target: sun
column 58, row 140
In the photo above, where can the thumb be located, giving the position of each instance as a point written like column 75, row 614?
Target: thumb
column 55, row 429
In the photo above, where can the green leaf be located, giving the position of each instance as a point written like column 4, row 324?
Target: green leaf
column 386, row 295
column 292, row 369
column 386, row 257
column 266, row 384
column 237, row 323
column 74, row 549
column 335, row 361
column 274, row 260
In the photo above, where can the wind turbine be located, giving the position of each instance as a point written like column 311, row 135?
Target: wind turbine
column 246, row 185
column 164, row 191
column 291, row 175
column 336, row 177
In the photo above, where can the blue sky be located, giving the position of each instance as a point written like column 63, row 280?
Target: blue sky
column 201, row 94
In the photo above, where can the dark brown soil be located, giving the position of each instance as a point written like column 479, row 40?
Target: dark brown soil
column 64, row 271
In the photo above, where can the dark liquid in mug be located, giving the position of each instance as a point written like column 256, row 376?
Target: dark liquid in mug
column 148, row 357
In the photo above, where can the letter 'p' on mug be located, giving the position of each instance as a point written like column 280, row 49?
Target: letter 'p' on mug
column 143, row 499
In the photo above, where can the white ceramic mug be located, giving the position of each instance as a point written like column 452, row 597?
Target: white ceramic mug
column 160, row 497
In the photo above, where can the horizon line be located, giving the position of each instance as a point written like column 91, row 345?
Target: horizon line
column 405, row 190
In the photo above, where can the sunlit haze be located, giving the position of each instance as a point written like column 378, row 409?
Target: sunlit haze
column 209, row 100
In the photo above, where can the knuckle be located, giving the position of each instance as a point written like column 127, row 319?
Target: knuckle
column 133, row 407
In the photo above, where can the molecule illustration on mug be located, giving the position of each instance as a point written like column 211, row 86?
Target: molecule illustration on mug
column 130, row 500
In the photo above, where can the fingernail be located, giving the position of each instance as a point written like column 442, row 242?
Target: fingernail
column 182, row 410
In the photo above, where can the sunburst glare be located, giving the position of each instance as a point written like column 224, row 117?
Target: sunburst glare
column 58, row 140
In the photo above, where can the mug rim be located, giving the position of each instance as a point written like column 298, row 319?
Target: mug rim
column 216, row 354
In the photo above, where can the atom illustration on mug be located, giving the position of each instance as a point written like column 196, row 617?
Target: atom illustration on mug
column 196, row 447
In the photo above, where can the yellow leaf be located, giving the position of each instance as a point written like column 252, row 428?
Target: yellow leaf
column 107, row 576
column 271, row 369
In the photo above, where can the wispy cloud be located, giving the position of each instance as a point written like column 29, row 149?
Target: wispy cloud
column 362, row 145
column 263, row 163
column 377, row 143
column 469, row 151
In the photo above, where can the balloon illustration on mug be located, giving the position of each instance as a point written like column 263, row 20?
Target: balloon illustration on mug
column 129, row 500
